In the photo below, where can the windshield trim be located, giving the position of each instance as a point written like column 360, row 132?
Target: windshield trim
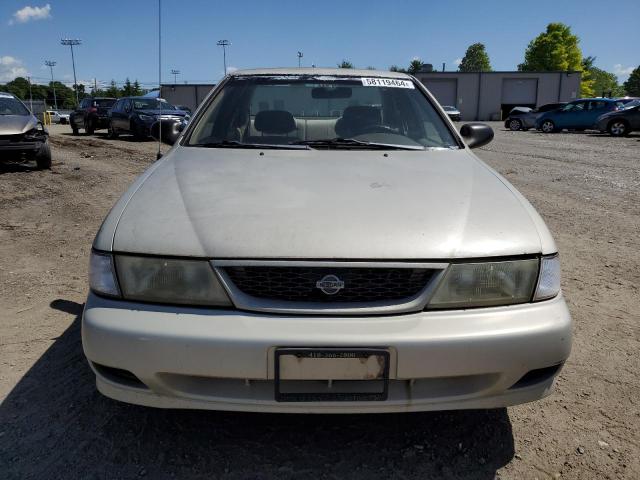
column 204, row 106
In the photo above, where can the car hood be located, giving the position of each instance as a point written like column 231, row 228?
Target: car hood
column 232, row 203
column 16, row 124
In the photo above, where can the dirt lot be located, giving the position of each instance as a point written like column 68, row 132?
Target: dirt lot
column 53, row 423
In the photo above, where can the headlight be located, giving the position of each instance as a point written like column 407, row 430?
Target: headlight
column 146, row 118
column 161, row 280
column 34, row 134
column 102, row 278
column 549, row 278
column 486, row 284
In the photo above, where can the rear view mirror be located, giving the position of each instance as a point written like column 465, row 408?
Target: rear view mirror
column 328, row 92
column 476, row 134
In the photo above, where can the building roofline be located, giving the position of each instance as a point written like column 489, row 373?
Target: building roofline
column 499, row 71
column 187, row 85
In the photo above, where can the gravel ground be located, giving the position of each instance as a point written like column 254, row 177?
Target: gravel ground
column 53, row 423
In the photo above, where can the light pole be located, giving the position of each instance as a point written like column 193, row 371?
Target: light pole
column 300, row 55
column 71, row 42
column 175, row 74
column 51, row 64
column 224, row 44
column 30, row 96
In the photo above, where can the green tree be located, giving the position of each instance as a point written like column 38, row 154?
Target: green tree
column 415, row 66
column 345, row 64
column 604, row 83
column 127, row 90
column 137, row 91
column 632, row 85
column 557, row 49
column 475, row 59
column 395, row 68
column 113, row 91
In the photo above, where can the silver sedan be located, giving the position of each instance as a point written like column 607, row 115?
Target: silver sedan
column 324, row 241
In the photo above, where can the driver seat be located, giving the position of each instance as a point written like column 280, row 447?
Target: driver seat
column 357, row 118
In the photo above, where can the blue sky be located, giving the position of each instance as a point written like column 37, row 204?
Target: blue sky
column 119, row 37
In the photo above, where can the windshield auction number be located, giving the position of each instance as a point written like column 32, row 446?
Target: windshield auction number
column 386, row 82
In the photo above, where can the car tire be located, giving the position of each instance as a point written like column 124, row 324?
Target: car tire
column 618, row 128
column 89, row 128
column 515, row 125
column 111, row 133
column 43, row 157
column 548, row 126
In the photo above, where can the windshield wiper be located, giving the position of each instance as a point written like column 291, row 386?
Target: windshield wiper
column 353, row 143
column 236, row 144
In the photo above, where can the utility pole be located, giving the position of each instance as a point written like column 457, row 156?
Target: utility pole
column 224, row 44
column 175, row 74
column 300, row 55
column 71, row 42
column 95, row 85
column 51, row 64
column 30, row 96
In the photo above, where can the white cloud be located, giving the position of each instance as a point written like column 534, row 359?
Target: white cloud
column 458, row 61
column 11, row 68
column 29, row 13
column 622, row 72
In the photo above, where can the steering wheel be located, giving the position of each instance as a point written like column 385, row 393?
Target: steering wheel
column 376, row 129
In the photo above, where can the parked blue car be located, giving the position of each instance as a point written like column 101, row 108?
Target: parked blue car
column 577, row 115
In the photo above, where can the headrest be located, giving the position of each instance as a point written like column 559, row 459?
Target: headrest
column 355, row 118
column 275, row 121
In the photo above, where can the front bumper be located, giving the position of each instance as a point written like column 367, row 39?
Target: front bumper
column 224, row 359
column 23, row 146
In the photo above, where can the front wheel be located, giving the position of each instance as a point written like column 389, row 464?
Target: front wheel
column 548, row 126
column 618, row 128
column 43, row 157
column 89, row 128
column 515, row 125
column 111, row 132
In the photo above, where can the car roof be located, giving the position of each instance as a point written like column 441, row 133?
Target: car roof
column 7, row 94
column 601, row 99
column 350, row 72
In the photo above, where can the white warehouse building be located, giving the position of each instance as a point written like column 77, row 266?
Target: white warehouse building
column 491, row 95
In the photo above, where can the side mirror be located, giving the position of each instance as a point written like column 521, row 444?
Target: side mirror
column 171, row 130
column 476, row 134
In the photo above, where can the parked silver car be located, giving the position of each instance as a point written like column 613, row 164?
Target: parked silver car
column 22, row 135
column 323, row 240
column 524, row 118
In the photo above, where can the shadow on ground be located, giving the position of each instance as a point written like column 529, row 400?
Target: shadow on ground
column 54, row 424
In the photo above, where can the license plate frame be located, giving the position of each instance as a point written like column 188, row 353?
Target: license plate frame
column 333, row 353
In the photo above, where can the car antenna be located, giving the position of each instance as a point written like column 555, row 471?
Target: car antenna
column 159, row 154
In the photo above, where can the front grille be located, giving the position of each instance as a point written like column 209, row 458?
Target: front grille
column 14, row 138
column 299, row 284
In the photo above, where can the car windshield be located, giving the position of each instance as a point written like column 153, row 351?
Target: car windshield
column 104, row 102
column 12, row 106
column 321, row 112
column 631, row 104
column 151, row 104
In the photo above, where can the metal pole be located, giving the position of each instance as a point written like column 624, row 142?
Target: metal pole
column 300, row 55
column 51, row 64
column 159, row 154
column 224, row 58
column 71, row 42
column 224, row 44
column 75, row 80
column 30, row 96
